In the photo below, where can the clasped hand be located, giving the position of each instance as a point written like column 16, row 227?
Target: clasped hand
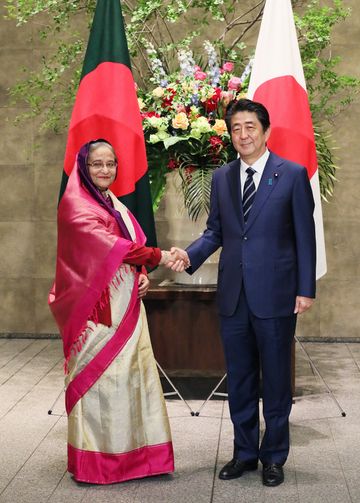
column 175, row 259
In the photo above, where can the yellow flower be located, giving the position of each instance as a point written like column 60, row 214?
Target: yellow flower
column 188, row 87
column 180, row 121
column 219, row 127
column 158, row 92
column 141, row 103
column 206, row 93
column 239, row 96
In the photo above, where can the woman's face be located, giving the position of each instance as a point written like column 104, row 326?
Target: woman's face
column 102, row 167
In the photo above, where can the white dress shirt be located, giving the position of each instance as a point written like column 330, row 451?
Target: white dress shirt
column 258, row 167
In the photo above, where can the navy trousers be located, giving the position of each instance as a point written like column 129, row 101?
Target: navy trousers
column 252, row 344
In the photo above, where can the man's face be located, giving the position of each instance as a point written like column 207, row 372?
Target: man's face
column 248, row 137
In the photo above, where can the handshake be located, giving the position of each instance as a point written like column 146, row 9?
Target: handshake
column 176, row 259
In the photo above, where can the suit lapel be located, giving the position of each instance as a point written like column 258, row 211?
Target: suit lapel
column 233, row 176
column 270, row 178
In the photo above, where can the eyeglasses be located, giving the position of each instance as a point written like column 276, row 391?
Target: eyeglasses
column 99, row 164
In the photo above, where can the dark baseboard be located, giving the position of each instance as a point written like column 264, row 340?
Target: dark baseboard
column 24, row 335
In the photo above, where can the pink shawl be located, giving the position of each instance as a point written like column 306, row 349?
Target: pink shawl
column 90, row 251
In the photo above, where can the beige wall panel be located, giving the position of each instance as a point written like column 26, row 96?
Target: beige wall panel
column 12, row 38
column 49, row 149
column 45, row 249
column 12, row 62
column 47, row 185
column 345, row 203
column 17, row 250
column 346, row 138
column 339, row 309
column 349, row 32
column 17, row 305
column 30, row 173
column 342, row 246
column 16, row 201
column 16, row 143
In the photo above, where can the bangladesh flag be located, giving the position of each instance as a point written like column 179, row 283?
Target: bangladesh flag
column 106, row 107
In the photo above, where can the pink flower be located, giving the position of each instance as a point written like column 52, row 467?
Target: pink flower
column 199, row 75
column 226, row 97
column 197, row 68
column 234, row 83
column 228, row 67
column 180, row 108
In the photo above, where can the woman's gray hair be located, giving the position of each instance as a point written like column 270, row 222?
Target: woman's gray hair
column 101, row 143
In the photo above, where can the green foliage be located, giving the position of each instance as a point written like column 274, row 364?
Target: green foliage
column 158, row 159
column 49, row 90
column 328, row 91
column 327, row 168
column 49, row 86
column 196, row 186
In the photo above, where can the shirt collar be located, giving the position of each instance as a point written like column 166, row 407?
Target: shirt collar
column 258, row 165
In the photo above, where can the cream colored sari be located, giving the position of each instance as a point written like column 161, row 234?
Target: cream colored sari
column 118, row 427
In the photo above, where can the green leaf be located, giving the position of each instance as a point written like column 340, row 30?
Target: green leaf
column 196, row 187
column 172, row 140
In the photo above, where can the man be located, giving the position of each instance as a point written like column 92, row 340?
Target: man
column 261, row 213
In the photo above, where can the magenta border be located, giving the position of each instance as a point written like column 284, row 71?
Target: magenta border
column 105, row 468
column 83, row 381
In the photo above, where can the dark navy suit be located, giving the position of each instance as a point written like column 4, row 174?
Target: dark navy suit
column 264, row 264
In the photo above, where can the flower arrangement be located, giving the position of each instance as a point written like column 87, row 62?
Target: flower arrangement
column 184, row 127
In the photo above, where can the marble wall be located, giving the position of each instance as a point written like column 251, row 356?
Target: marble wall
column 30, row 172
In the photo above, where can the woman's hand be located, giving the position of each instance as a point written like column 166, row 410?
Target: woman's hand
column 176, row 259
column 144, row 284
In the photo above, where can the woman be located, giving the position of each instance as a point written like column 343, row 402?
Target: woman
column 118, row 427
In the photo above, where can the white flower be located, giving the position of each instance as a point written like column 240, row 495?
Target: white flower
column 158, row 92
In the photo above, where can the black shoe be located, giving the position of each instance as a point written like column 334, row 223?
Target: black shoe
column 235, row 468
column 272, row 475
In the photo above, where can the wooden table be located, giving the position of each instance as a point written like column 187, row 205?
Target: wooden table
column 184, row 329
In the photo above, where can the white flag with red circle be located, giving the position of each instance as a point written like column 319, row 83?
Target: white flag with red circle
column 277, row 81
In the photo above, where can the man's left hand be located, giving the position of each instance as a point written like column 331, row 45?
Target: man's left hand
column 144, row 284
column 302, row 304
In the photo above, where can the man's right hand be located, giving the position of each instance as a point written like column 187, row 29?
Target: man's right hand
column 181, row 260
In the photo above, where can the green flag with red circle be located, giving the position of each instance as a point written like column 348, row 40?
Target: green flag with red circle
column 106, row 107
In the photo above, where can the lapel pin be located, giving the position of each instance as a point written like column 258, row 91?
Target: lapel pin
column 275, row 175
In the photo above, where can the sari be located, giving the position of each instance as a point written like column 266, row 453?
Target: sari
column 118, row 427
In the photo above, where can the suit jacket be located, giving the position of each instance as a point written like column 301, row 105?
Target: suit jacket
column 274, row 254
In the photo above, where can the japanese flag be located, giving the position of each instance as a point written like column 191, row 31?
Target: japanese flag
column 277, row 81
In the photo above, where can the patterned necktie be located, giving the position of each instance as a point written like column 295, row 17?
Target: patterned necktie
column 249, row 193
